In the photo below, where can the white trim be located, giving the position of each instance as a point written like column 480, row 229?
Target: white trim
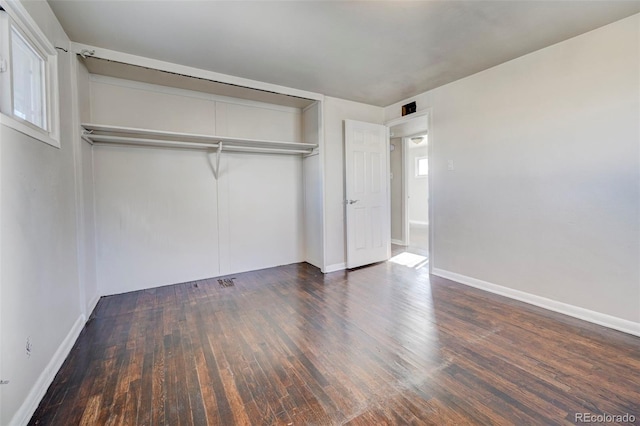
column 78, row 173
column 139, row 85
column 397, row 242
column 318, row 260
column 18, row 13
column 432, row 228
column 92, row 305
column 317, row 102
column 323, row 192
column 28, row 407
column 39, row 135
column 407, row 118
column 419, row 223
column 142, row 61
column 335, row 267
column 2, row 377
column 387, row 153
column 404, row 200
column 599, row 318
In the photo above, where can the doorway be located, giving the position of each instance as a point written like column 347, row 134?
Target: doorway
column 416, row 182
column 409, row 188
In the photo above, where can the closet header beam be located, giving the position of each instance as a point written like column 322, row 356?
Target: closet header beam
column 142, row 61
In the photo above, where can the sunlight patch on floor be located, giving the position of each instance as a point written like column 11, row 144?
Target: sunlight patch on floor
column 410, row 260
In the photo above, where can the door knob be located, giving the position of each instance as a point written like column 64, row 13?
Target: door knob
column 352, row 201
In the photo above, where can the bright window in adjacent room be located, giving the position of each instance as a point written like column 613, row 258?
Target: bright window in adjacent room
column 28, row 77
column 422, row 166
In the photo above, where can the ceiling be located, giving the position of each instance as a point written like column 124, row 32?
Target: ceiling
column 376, row 52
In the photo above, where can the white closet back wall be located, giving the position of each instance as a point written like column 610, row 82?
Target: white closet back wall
column 161, row 215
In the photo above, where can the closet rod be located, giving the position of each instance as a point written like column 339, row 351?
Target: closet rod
column 149, row 142
column 106, row 130
column 122, row 140
column 266, row 150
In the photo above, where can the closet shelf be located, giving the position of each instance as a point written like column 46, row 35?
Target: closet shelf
column 116, row 135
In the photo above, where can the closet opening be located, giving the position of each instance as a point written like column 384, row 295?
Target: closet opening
column 187, row 178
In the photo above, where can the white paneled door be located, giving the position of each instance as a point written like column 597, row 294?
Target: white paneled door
column 367, row 193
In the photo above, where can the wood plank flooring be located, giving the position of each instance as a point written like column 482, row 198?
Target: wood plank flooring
column 385, row 344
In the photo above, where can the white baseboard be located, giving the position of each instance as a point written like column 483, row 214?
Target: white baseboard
column 419, row 223
column 398, row 242
column 335, row 267
column 92, row 305
column 599, row 318
column 30, row 404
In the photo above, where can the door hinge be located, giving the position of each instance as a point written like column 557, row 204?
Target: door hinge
column 3, row 64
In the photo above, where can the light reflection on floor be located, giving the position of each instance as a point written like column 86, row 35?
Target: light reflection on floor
column 410, row 260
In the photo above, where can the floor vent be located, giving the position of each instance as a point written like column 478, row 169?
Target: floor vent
column 226, row 282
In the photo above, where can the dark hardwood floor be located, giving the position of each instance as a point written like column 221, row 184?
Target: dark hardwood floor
column 385, row 344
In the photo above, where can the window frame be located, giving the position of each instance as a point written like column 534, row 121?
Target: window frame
column 15, row 18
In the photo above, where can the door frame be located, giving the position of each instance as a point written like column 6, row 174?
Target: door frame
column 426, row 113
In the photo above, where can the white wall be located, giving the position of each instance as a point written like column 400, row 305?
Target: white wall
column 128, row 103
column 162, row 217
column 335, row 112
column 119, row 102
column 88, row 247
column 156, row 211
column 83, row 79
column 545, row 194
column 258, row 121
column 418, row 187
column 83, row 163
column 39, row 266
column 261, row 208
column 313, row 188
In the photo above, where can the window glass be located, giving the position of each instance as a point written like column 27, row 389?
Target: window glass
column 422, row 166
column 28, row 81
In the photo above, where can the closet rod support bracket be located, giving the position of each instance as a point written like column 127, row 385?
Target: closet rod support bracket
column 218, row 152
